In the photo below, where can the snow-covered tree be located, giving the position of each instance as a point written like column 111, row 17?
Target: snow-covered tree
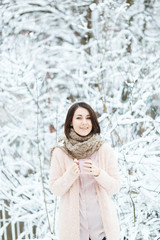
column 54, row 53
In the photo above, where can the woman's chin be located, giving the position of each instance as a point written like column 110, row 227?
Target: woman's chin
column 83, row 133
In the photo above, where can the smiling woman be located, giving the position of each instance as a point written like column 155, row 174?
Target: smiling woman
column 81, row 122
column 84, row 174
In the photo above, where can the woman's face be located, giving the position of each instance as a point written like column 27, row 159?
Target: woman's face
column 81, row 121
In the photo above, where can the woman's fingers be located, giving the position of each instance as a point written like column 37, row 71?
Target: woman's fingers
column 88, row 164
column 91, row 168
column 75, row 161
column 75, row 167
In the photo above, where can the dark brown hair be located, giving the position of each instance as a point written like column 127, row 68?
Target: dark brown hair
column 70, row 113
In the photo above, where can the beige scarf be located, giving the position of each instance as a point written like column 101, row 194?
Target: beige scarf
column 80, row 147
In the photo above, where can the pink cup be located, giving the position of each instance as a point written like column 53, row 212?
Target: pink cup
column 81, row 163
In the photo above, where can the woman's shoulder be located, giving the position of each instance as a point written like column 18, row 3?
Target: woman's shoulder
column 108, row 151
column 56, row 154
column 57, row 150
column 106, row 147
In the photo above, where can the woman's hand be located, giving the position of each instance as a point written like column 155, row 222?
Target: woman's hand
column 91, row 168
column 75, row 167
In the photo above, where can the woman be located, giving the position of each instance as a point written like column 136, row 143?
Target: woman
column 84, row 173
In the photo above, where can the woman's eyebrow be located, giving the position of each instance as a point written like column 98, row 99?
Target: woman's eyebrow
column 81, row 115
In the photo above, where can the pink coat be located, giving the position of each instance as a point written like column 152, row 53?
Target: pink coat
column 64, row 183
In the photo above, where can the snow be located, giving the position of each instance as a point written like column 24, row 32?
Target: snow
column 51, row 57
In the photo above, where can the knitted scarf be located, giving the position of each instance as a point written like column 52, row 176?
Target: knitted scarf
column 78, row 146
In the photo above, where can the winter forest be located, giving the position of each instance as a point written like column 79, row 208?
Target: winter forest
column 52, row 54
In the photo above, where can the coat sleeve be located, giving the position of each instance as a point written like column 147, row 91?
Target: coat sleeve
column 109, row 178
column 60, row 181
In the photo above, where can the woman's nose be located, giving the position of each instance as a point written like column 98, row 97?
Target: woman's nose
column 84, row 120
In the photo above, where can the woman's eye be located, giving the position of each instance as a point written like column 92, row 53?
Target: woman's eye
column 81, row 118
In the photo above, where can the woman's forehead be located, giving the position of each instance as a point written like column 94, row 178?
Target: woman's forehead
column 81, row 111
